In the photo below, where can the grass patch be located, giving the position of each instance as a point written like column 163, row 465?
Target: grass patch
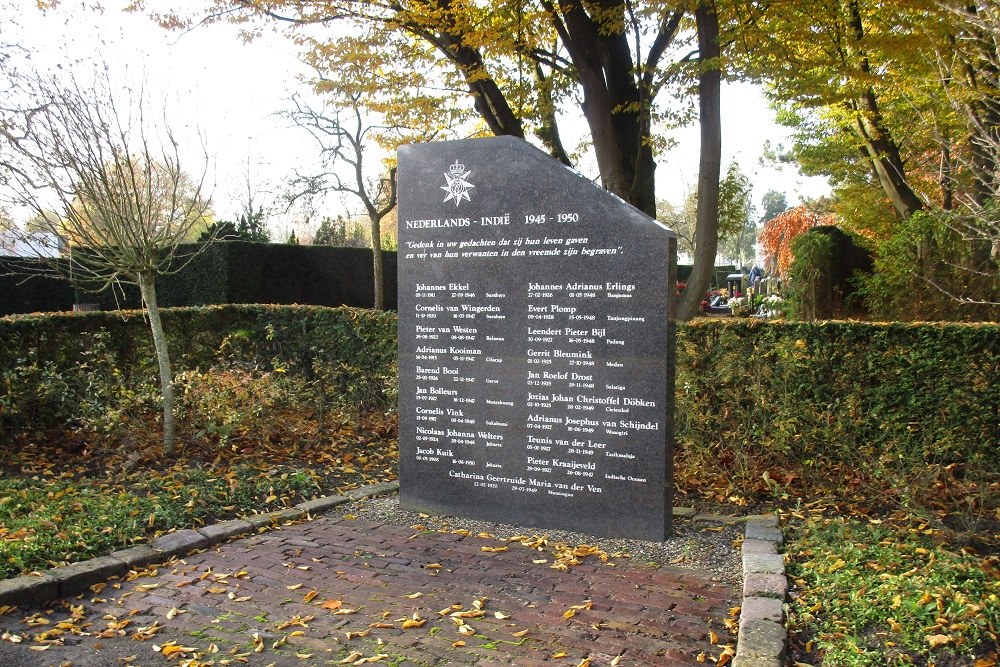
column 877, row 593
column 62, row 501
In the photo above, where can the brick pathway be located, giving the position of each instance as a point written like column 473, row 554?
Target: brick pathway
column 289, row 592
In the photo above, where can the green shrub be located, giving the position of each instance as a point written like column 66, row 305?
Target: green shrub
column 220, row 403
column 928, row 270
column 904, row 407
column 98, row 369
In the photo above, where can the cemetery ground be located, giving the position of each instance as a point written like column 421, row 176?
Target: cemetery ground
column 872, row 582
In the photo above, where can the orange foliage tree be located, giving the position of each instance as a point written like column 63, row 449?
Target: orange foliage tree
column 776, row 236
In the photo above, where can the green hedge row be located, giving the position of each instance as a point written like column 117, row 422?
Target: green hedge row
column 47, row 362
column 225, row 272
column 826, row 399
column 899, row 403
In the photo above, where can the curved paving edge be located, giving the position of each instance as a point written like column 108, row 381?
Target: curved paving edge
column 761, row 641
column 33, row 590
column 762, row 638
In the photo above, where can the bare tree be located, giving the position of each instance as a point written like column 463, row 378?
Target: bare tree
column 114, row 171
column 969, row 66
column 342, row 134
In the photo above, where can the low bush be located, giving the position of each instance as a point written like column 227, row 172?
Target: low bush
column 910, row 410
column 97, row 370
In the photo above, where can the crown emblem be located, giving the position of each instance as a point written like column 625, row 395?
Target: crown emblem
column 457, row 183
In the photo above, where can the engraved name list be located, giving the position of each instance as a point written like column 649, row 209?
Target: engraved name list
column 534, row 344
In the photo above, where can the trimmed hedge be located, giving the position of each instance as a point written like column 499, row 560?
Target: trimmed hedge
column 225, row 272
column 39, row 293
column 46, row 361
column 829, row 400
column 897, row 403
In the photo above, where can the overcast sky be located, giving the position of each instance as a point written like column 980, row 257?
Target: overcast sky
column 232, row 91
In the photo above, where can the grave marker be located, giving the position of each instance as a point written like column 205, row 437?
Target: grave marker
column 536, row 357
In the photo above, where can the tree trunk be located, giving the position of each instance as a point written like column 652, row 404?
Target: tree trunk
column 147, row 287
column 379, row 286
column 878, row 144
column 709, row 164
column 885, row 157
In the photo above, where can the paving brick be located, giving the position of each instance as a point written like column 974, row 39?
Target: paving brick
column 756, row 531
column 649, row 617
column 764, row 520
column 762, row 609
column 759, row 547
column 764, row 639
column 763, row 563
column 322, row 505
column 684, row 512
column 139, row 556
column 373, row 490
column 756, row 661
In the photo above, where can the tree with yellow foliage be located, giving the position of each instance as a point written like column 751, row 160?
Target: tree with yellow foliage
column 518, row 67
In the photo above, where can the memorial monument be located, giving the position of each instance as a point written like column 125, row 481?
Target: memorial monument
column 536, row 347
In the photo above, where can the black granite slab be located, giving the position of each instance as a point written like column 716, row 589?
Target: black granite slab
column 536, row 356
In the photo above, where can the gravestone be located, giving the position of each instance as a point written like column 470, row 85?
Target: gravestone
column 536, row 355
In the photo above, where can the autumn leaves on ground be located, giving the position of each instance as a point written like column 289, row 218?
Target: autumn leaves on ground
column 69, row 495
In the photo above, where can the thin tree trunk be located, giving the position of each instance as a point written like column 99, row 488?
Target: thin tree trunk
column 376, row 222
column 709, row 165
column 147, row 287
